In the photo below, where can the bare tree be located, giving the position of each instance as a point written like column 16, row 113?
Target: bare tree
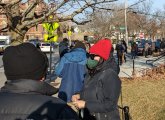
column 106, row 21
column 144, row 20
column 161, row 21
column 20, row 21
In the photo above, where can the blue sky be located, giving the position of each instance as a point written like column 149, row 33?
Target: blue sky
column 157, row 4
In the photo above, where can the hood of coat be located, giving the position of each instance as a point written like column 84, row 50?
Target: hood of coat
column 27, row 86
column 111, row 63
column 76, row 55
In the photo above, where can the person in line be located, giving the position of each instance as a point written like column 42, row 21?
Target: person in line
column 133, row 50
column 72, row 44
column 120, row 52
column 102, row 86
column 63, row 47
column 25, row 95
column 86, row 42
column 124, row 44
column 72, row 70
column 146, row 48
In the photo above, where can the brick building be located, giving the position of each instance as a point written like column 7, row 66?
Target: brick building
column 34, row 32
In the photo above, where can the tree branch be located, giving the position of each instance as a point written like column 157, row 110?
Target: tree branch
column 104, row 8
column 29, row 9
column 2, row 5
column 42, row 19
column 81, row 23
column 5, row 29
column 14, row 3
column 70, row 17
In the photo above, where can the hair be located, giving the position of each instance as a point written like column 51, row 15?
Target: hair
column 65, row 40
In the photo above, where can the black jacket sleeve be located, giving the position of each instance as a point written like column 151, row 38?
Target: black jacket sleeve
column 108, row 95
column 68, row 114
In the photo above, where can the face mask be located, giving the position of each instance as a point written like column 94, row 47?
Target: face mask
column 92, row 63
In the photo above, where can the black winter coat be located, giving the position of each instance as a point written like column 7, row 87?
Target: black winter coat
column 31, row 100
column 101, row 92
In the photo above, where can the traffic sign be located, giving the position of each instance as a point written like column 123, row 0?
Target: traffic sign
column 50, row 38
column 122, row 28
column 50, row 28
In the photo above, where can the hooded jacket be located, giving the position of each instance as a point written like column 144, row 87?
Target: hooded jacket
column 72, row 70
column 111, row 63
column 31, row 100
column 102, row 86
column 101, row 92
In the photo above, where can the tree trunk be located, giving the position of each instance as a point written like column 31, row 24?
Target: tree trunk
column 16, row 38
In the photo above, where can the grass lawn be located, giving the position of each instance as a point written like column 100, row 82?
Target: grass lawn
column 145, row 98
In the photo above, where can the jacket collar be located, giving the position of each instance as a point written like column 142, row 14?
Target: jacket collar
column 27, row 86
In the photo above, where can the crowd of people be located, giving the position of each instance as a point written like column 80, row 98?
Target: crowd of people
column 141, row 47
column 89, row 82
column 146, row 47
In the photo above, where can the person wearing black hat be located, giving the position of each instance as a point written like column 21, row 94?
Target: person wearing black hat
column 72, row 69
column 25, row 95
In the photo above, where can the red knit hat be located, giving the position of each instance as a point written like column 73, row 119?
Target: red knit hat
column 102, row 48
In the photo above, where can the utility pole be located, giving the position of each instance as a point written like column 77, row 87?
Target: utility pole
column 126, row 30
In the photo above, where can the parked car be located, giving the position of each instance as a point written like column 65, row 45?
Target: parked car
column 140, row 47
column 162, row 44
column 4, row 42
column 45, row 47
column 34, row 41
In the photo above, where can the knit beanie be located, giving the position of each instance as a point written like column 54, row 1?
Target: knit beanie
column 24, row 61
column 79, row 44
column 102, row 48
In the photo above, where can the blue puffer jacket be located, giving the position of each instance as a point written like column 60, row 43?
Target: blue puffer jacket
column 72, row 70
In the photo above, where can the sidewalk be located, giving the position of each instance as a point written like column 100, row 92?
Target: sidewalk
column 139, row 64
column 2, row 79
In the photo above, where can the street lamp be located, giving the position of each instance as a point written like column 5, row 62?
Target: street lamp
column 126, row 30
column 126, row 35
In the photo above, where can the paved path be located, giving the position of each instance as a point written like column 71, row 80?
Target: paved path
column 2, row 79
column 139, row 64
